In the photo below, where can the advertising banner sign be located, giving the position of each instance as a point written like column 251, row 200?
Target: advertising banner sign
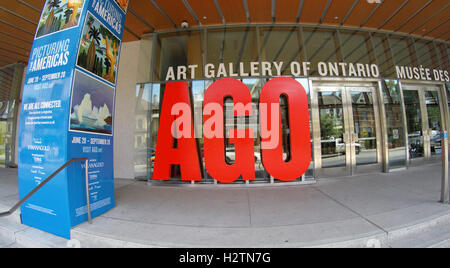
column 68, row 112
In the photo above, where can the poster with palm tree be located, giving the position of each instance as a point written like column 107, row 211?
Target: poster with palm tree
column 123, row 4
column 99, row 50
column 59, row 15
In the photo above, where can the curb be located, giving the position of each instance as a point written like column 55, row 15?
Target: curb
column 32, row 238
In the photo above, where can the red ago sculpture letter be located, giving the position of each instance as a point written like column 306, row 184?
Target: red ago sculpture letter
column 300, row 145
column 186, row 154
column 243, row 139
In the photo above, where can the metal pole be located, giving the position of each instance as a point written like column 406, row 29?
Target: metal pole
column 88, row 205
column 444, row 188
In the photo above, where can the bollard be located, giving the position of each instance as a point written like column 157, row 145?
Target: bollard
column 444, row 187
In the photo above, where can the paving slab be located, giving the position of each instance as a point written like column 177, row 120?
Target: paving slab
column 293, row 206
column 432, row 238
column 34, row 238
column 394, row 209
column 431, row 213
column 9, row 228
column 8, row 182
column 5, row 243
column 182, row 206
column 13, row 245
column 378, row 193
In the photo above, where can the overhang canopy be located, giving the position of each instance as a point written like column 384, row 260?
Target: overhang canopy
column 426, row 18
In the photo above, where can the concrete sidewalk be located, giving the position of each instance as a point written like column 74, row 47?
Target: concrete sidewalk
column 398, row 209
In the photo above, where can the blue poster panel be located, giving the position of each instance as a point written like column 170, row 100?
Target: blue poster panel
column 68, row 112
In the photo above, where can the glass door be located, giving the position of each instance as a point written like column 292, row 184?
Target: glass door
column 414, row 124
column 347, row 134
column 365, row 130
column 424, row 122
column 434, row 123
column 334, row 151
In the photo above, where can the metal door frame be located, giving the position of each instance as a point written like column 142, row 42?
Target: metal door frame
column 375, row 103
column 441, row 113
column 345, row 87
column 315, row 113
column 421, row 87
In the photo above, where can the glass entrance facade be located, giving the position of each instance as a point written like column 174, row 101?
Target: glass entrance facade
column 425, row 115
column 2, row 143
column 10, row 87
column 359, row 124
column 349, row 129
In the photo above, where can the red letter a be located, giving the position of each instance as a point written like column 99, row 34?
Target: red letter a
column 176, row 95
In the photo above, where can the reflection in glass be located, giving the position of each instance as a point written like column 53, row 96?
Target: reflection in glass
column 231, row 122
column 365, row 128
column 286, row 137
column 414, row 123
column 447, row 86
column 3, row 131
column 173, row 53
column 394, row 124
column 232, row 46
column 178, row 49
column 434, row 121
column 319, row 47
column 309, row 175
column 403, row 51
column 383, row 55
column 2, row 142
column 287, row 43
column 198, row 93
column 207, row 179
column 141, row 134
column 255, row 85
column 332, row 129
column 425, row 54
column 156, row 98
column 355, row 47
column 281, row 45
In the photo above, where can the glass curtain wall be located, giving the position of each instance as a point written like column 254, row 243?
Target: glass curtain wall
column 321, row 45
column 284, row 43
column 394, row 124
column 434, row 121
column 364, row 123
column 149, row 99
column 281, row 44
column 3, row 131
column 383, row 54
column 447, row 87
column 414, row 123
column 236, row 45
column 10, row 88
column 142, row 141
